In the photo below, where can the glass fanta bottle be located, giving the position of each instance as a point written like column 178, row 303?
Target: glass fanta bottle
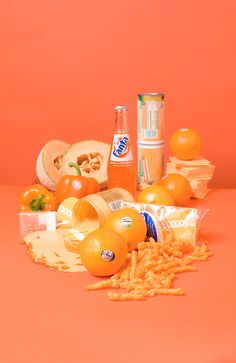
column 121, row 165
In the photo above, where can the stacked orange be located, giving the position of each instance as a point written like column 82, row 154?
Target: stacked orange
column 186, row 145
column 173, row 190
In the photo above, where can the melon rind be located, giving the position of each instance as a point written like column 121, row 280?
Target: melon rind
column 43, row 172
column 86, row 147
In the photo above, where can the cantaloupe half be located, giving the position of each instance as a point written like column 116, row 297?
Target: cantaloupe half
column 92, row 158
column 48, row 165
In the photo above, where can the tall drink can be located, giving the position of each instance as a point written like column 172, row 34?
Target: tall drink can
column 150, row 138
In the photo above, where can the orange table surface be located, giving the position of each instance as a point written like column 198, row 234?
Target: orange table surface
column 47, row 316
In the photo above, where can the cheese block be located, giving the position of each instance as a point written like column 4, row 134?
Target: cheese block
column 199, row 161
column 196, row 172
column 199, row 188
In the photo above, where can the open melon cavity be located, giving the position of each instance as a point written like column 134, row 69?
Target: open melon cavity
column 49, row 163
column 92, row 158
column 58, row 163
column 90, row 163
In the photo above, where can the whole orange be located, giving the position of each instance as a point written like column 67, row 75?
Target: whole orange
column 156, row 194
column 179, row 187
column 129, row 224
column 103, row 252
column 185, row 144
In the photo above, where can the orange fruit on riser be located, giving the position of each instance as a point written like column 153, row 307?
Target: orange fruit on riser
column 185, row 144
column 103, row 252
column 129, row 224
column 179, row 187
column 156, row 194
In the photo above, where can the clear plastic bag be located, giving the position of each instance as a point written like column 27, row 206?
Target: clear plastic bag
column 170, row 223
column 37, row 221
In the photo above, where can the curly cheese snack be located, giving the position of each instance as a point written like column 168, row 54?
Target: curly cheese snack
column 152, row 269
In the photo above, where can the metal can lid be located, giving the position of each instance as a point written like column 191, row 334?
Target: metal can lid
column 121, row 107
column 155, row 94
column 157, row 144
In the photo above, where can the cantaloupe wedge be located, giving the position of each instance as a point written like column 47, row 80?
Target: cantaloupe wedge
column 92, row 158
column 48, row 166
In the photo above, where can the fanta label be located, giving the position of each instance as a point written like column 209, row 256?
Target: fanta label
column 121, row 148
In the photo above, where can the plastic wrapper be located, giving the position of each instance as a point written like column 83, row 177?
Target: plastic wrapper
column 37, row 221
column 169, row 222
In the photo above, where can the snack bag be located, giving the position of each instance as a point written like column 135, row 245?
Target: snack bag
column 167, row 222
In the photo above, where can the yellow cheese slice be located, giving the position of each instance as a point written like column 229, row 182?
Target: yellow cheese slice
column 199, row 161
column 49, row 248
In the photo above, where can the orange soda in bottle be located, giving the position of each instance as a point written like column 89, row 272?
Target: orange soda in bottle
column 121, row 168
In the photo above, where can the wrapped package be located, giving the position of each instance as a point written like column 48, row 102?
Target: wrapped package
column 170, row 222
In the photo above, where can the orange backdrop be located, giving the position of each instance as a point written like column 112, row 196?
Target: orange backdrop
column 65, row 63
